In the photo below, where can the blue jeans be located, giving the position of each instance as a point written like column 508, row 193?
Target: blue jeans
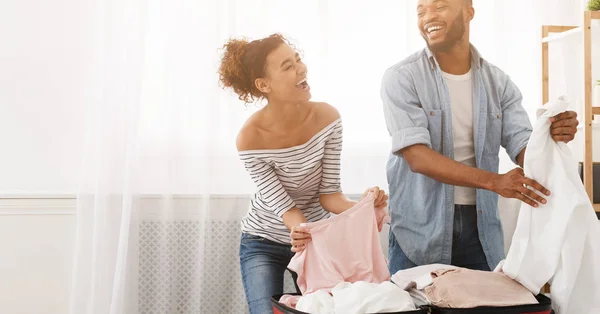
column 467, row 251
column 263, row 264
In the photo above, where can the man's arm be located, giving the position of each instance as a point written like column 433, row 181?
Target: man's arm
column 513, row 184
column 423, row 160
column 408, row 126
column 521, row 158
column 516, row 126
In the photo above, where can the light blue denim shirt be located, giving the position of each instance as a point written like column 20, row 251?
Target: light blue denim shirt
column 417, row 110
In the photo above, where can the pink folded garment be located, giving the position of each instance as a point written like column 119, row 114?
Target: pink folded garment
column 344, row 248
column 466, row 288
column 289, row 300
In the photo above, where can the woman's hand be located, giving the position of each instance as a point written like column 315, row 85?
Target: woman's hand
column 380, row 196
column 300, row 237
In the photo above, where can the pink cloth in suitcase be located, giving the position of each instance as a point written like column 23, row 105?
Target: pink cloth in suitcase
column 344, row 248
column 289, row 300
column 466, row 288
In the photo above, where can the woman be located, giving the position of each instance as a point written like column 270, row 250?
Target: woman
column 291, row 148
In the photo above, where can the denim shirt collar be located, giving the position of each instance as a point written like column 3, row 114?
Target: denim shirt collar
column 476, row 59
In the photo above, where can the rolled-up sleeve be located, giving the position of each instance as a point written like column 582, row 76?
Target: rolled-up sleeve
column 516, row 126
column 405, row 120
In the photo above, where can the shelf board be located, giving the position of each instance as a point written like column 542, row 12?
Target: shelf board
column 597, row 207
column 567, row 31
column 596, row 15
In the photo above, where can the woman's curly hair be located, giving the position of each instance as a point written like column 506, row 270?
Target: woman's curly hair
column 244, row 61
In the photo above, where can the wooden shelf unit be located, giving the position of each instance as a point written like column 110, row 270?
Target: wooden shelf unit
column 589, row 111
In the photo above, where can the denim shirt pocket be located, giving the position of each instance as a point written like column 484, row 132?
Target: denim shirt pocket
column 493, row 134
column 435, row 120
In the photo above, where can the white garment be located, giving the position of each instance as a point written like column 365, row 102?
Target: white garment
column 558, row 242
column 460, row 88
column 358, row 297
column 364, row 297
column 319, row 302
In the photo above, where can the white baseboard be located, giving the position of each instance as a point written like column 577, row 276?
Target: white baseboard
column 37, row 206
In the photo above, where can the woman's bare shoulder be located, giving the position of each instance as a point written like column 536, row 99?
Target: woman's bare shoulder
column 326, row 113
column 248, row 137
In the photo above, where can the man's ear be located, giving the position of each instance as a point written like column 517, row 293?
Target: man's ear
column 262, row 85
column 470, row 13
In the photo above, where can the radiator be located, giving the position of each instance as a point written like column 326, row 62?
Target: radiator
column 178, row 273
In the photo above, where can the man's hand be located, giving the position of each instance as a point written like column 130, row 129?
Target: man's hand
column 380, row 196
column 564, row 126
column 300, row 237
column 514, row 184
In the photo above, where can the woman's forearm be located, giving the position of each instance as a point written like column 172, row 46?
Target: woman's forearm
column 336, row 203
column 293, row 217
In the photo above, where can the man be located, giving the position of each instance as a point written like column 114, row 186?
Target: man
column 448, row 111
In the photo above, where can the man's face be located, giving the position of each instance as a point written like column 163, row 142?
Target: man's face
column 441, row 23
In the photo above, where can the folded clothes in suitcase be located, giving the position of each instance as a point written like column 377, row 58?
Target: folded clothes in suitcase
column 543, row 307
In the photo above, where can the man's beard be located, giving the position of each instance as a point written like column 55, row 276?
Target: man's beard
column 453, row 36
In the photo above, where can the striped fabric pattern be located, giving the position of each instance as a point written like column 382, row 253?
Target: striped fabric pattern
column 292, row 177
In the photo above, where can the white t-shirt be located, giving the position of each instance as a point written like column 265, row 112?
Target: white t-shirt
column 460, row 88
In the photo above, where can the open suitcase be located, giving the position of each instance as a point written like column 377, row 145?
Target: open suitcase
column 544, row 307
column 279, row 308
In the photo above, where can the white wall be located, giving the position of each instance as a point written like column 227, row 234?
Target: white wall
column 41, row 95
column 36, row 241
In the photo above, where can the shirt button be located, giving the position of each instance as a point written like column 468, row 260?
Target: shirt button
column 431, row 113
column 480, row 212
column 498, row 116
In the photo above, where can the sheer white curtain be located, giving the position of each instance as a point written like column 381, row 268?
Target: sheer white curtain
column 162, row 189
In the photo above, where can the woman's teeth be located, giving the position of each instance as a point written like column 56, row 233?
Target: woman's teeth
column 302, row 84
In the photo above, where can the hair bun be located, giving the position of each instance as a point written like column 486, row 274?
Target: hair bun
column 231, row 71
